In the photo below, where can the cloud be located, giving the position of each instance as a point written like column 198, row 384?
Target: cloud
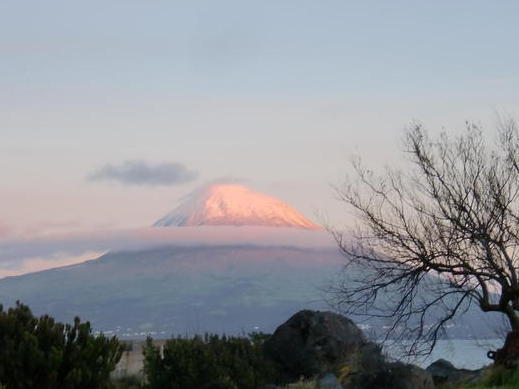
column 19, row 256
column 228, row 180
column 143, row 173
column 30, row 265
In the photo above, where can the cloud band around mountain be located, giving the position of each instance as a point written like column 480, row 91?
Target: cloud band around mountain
column 142, row 173
column 25, row 255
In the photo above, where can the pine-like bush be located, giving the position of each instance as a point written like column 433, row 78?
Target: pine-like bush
column 209, row 362
column 45, row 354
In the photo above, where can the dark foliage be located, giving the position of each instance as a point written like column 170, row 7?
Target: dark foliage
column 42, row 353
column 209, row 362
column 129, row 382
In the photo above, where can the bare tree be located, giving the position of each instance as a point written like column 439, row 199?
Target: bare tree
column 437, row 238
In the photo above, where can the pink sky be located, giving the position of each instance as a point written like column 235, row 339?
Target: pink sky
column 277, row 94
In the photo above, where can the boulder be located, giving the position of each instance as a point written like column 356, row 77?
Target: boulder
column 443, row 372
column 313, row 343
column 394, row 375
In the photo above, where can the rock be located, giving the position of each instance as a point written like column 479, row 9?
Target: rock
column 313, row 343
column 368, row 359
column 395, row 375
column 329, row 381
column 443, row 372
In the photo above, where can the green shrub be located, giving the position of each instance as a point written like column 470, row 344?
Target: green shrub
column 45, row 354
column 209, row 362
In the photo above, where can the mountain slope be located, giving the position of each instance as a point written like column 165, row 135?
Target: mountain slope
column 181, row 290
column 233, row 204
column 187, row 290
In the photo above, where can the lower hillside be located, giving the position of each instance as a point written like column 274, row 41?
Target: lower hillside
column 181, row 290
column 193, row 290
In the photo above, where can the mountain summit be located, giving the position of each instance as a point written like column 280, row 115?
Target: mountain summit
column 235, row 205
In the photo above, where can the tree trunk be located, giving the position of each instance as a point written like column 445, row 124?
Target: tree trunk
column 508, row 355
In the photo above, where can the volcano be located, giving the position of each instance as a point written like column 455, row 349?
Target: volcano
column 234, row 205
column 226, row 260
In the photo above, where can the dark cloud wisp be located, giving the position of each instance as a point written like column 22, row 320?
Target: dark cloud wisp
column 143, row 173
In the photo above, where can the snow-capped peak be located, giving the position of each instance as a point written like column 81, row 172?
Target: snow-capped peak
column 234, row 204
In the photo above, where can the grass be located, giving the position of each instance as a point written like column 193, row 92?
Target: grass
column 301, row 385
column 130, row 382
column 494, row 378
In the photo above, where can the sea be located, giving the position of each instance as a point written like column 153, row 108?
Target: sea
column 462, row 353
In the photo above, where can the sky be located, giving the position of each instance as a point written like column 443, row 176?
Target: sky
column 111, row 111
